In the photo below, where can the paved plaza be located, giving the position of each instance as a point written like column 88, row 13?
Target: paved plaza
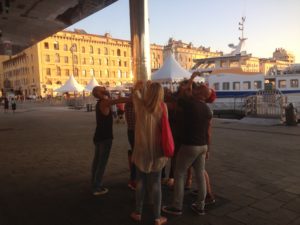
column 46, row 155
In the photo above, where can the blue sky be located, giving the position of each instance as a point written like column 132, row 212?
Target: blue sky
column 212, row 23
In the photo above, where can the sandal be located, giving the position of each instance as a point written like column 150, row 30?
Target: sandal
column 162, row 220
column 136, row 216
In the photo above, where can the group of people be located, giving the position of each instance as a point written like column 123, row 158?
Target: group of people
column 190, row 119
column 7, row 102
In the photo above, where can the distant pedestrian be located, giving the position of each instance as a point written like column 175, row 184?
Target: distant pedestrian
column 103, row 136
column 13, row 105
column 6, row 104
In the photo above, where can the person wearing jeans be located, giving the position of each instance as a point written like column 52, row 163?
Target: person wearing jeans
column 103, row 136
column 102, row 152
column 194, row 149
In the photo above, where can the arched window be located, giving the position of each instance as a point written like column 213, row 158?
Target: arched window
column 58, row 71
column 99, row 51
column 92, row 72
column 56, row 45
column 74, row 48
column 125, row 53
column 118, row 52
column 65, row 47
column 91, row 49
column 83, row 49
column 67, row 72
column 75, row 58
column 58, row 82
column 91, row 60
column 105, row 51
column 57, row 59
column 76, row 72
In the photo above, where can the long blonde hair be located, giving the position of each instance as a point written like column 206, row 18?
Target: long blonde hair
column 153, row 98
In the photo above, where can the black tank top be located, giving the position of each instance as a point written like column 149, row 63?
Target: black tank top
column 104, row 128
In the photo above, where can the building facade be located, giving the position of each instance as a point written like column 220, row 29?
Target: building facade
column 186, row 53
column 45, row 66
column 283, row 55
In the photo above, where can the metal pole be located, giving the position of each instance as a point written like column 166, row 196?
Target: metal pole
column 140, row 45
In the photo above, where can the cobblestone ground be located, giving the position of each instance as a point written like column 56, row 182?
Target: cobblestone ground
column 46, row 153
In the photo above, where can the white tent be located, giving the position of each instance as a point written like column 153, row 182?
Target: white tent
column 71, row 85
column 93, row 83
column 170, row 71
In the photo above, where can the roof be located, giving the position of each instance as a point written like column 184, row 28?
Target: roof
column 90, row 86
column 170, row 71
column 71, row 85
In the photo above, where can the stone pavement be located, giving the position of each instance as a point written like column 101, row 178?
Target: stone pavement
column 46, row 153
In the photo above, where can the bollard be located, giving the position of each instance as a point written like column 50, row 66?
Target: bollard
column 291, row 115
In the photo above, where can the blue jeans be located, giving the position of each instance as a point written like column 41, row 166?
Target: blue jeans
column 190, row 156
column 153, row 181
column 102, row 151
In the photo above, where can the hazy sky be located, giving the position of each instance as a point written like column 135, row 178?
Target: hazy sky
column 212, row 23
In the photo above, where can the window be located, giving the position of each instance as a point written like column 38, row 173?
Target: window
column 57, row 59
column 113, row 52
column 246, row 85
column 75, row 59
column 99, row 61
column 125, row 75
column 257, row 84
column 120, row 63
column 74, row 48
column 66, row 59
column 58, row 71
column 84, row 73
column 118, row 52
column 48, row 71
column 216, row 86
column 47, row 58
column 125, row 64
column 83, row 61
column 125, row 53
column 92, row 72
column 56, row 45
column 99, row 51
column 106, row 61
column 91, row 49
column 67, row 72
column 236, row 85
column 294, row 83
column 76, row 72
column 226, row 86
column 282, row 83
column 119, row 74
column 65, row 47
column 91, row 60
column 46, row 45
column 105, row 51
column 83, row 49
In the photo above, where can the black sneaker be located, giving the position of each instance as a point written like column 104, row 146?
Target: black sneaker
column 101, row 191
column 171, row 210
column 195, row 208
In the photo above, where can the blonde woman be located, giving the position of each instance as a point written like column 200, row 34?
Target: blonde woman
column 148, row 155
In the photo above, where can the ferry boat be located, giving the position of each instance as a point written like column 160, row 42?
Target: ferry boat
column 233, row 85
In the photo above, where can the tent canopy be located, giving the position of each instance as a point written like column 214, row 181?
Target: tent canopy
column 71, row 85
column 170, row 71
column 93, row 83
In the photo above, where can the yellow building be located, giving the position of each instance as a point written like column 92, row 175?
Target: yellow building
column 269, row 66
column 186, row 53
column 283, row 55
column 45, row 66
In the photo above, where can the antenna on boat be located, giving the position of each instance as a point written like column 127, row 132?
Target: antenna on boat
column 241, row 27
